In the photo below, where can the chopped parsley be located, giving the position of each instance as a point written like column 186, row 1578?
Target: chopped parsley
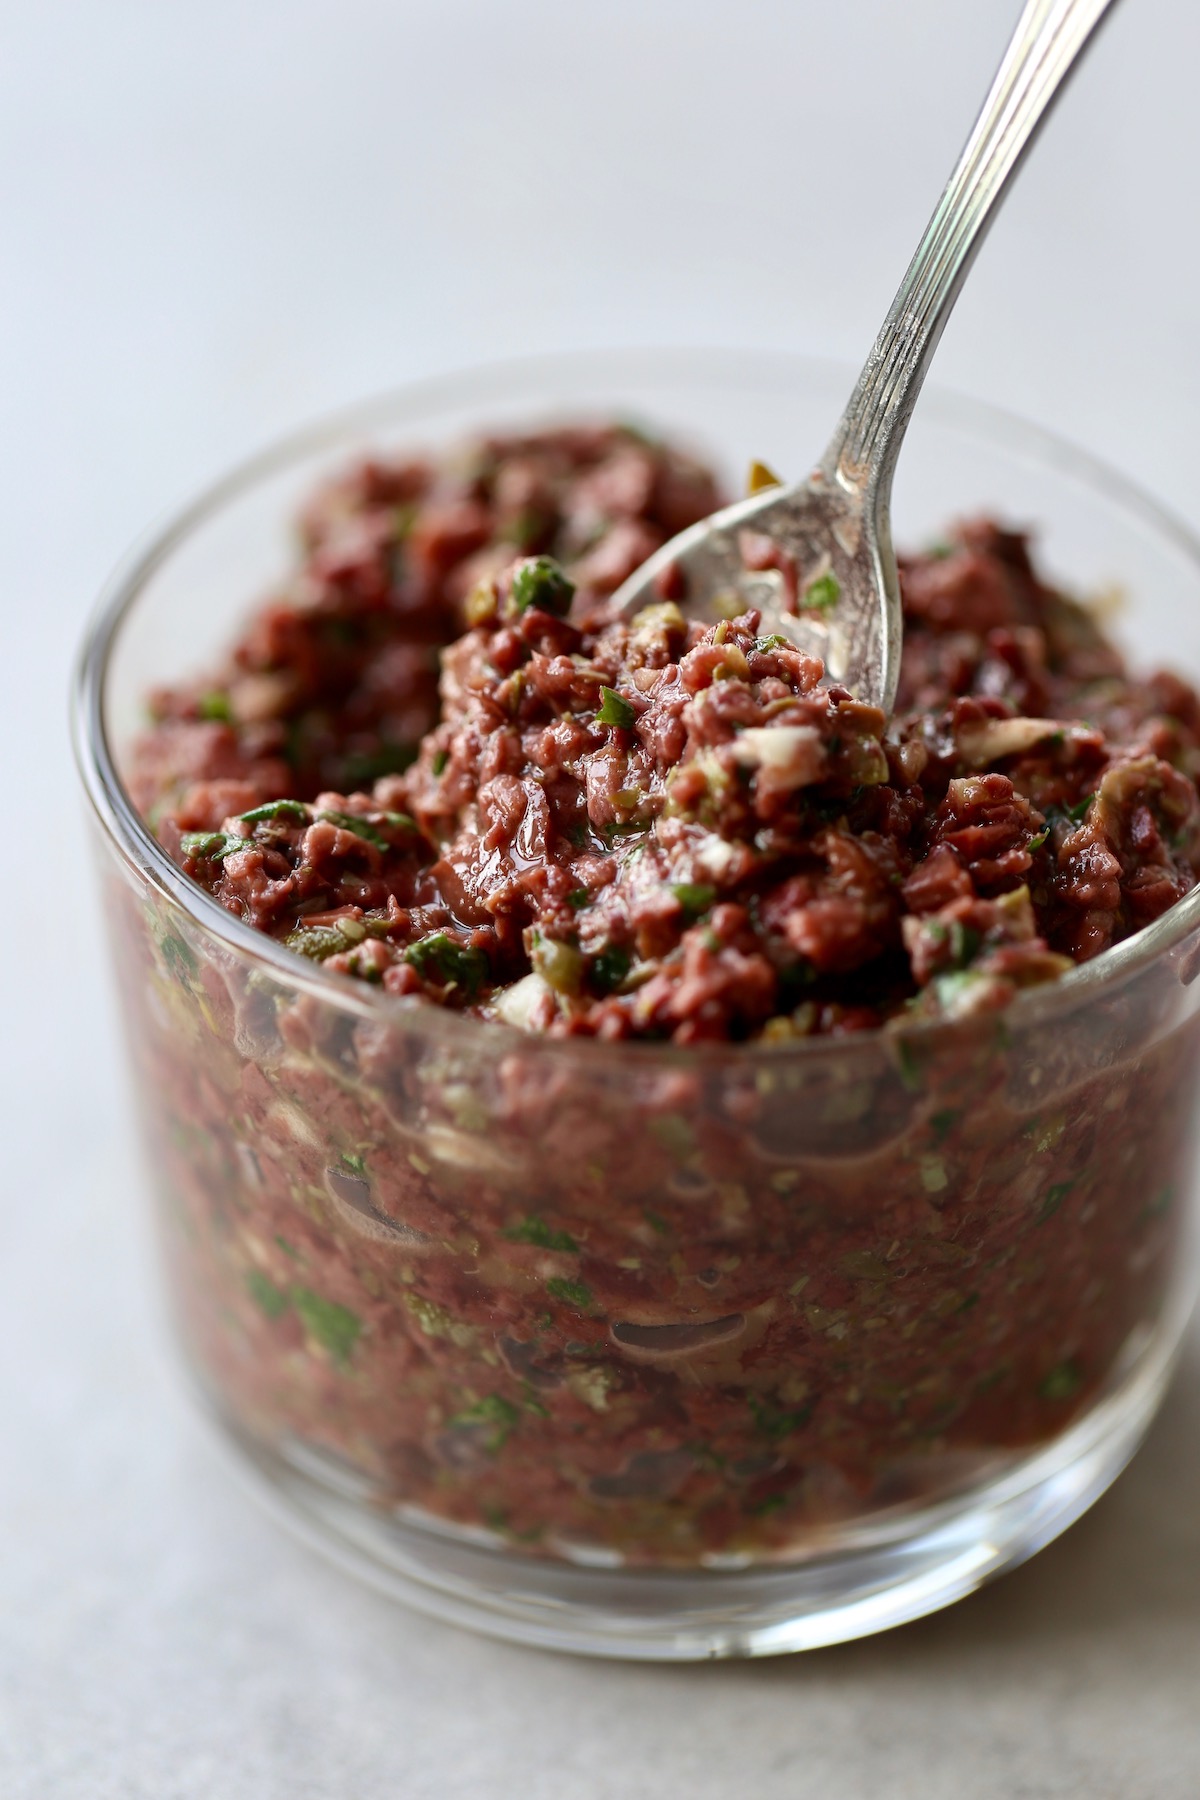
column 695, row 897
column 824, row 593
column 363, row 828
column 542, row 583
column 1062, row 1383
column 438, row 761
column 332, row 1326
column 277, row 809
column 615, row 711
column 215, row 845
column 441, row 958
column 610, row 968
column 578, row 898
column 773, row 1421
column 215, row 707
column 536, row 1231
column 317, row 941
column 494, row 1411
column 266, row 1296
column 571, row 1293
column 1054, row 1198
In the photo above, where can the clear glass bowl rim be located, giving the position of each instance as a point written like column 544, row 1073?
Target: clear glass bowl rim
column 149, row 862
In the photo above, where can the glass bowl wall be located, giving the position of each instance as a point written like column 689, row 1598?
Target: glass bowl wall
column 622, row 1348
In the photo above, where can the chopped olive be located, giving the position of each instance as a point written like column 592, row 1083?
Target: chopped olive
column 541, row 582
column 442, row 959
column 560, row 965
column 615, row 711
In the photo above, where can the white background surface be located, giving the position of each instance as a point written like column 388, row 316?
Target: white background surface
column 217, row 219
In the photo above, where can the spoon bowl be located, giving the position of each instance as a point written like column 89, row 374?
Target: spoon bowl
column 815, row 558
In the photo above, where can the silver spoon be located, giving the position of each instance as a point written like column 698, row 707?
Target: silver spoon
column 816, row 558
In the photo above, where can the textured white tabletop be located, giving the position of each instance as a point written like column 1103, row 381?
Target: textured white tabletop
column 218, row 218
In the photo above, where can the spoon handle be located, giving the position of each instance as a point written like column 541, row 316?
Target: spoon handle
column 1047, row 43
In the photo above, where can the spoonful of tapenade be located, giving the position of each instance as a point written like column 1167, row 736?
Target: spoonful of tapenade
column 816, row 558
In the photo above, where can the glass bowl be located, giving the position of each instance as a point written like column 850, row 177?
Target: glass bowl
column 629, row 1349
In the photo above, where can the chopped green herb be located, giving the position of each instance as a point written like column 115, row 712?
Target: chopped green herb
column 439, row 760
column 774, row 642
column 610, row 968
column 288, row 1249
column 578, row 898
column 1080, row 809
column 695, row 897
column 262, row 1290
column 942, row 1122
column 494, row 1411
column 334, row 1327
column 615, row 711
column 213, row 845
column 824, row 593
column 1035, row 843
column 357, row 827
column 772, row 1503
column 317, row 941
column 443, row 959
column 571, row 1293
column 216, row 707
column 363, row 828
column 772, row 1420
column 656, row 1222
column 1054, row 1198
column 543, row 583
column 277, row 809
column 178, row 956
column 357, row 1164
column 1062, row 1383
column 910, row 1066
column 536, row 1231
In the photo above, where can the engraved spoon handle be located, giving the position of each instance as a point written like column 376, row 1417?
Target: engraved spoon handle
column 1045, row 47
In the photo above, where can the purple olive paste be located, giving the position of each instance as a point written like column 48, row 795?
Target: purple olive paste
column 701, row 1312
